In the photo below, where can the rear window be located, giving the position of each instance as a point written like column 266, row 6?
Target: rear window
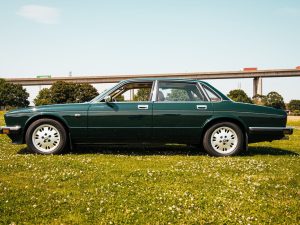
column 211, row 94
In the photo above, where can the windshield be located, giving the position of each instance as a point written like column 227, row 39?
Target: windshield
column 103, row 93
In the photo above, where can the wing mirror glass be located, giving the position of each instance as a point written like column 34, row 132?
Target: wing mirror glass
column 107, row 98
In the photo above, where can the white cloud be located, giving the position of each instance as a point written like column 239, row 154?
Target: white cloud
column 40, row 14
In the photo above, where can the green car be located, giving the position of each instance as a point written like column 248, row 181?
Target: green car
column 149, row 111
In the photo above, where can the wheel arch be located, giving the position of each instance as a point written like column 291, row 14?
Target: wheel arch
column 234, row 120
column 45, row 116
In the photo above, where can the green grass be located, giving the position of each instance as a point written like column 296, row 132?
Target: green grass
column 150, row 185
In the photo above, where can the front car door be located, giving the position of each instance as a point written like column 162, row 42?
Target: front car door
column 180, row 111
column 126, row 118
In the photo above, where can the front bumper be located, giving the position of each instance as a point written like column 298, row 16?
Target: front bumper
column 10, row 130
column 283, row 130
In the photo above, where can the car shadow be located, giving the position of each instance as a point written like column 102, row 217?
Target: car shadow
column 260, row 150
column 142, row 150
column 132, row 150
column 138, row 150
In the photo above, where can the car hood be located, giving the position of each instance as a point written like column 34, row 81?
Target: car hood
column 53, row 108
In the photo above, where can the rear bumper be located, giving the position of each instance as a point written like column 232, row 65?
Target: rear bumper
column 270, row 130
column 10, row 130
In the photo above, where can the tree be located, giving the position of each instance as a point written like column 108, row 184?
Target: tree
column 259, row 99
column 13, row 95
column 44, row 97
column 177, row 95
column 275, row 100
column 65, row 92
column 142, row 94
column 84, row 92
column 294, row 105
column 239, row 95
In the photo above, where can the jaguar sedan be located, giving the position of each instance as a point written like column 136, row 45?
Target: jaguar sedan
column 149, row 111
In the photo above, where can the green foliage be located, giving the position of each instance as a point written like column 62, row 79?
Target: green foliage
column 65, row 92
column 259, row 99
column 44, row 97
column 275, row 100
column 177, row 95
column 150, row 185
column 239, row 95
column 84, row 92
column 294, row 105
column 13, row 95
column 142, row 94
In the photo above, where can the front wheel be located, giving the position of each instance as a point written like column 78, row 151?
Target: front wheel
column 46, row 136
column 223, row 139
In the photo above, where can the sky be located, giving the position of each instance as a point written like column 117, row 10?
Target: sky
column 96, row 37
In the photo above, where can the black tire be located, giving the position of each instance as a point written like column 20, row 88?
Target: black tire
column 57, row 137
column 223, row 139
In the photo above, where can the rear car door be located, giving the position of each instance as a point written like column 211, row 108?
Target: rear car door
column 180, row 111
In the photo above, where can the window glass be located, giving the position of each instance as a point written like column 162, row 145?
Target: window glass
column 211, row 94
column 179, row 91
column 133, row 92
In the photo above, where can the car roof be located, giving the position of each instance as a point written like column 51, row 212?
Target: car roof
column 162, row 79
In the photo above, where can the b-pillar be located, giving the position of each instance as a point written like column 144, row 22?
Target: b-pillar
column 257, row 86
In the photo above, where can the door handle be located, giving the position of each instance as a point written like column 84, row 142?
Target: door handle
column 142, row 106
column 202, row 107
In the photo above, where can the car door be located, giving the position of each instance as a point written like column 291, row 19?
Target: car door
column 126, row 118
column 180, row 112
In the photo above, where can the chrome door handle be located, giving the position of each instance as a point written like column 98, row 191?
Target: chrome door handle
column 202, row 107
column 142, row 106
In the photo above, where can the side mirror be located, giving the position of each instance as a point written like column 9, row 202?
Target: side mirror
column 107, row 98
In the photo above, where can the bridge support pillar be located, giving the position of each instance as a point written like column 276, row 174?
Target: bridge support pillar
column 257, row 86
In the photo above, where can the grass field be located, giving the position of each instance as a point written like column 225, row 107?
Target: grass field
column 151, row 185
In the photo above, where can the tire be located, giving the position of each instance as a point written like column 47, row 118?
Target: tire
column 46, row 136
column 223, row 139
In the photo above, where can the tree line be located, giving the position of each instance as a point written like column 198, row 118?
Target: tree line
column 14, row 95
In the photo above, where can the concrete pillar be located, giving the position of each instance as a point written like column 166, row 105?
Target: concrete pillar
column 257, row 86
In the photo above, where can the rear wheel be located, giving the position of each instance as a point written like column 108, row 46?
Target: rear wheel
column 46, row 136
column 223, row 139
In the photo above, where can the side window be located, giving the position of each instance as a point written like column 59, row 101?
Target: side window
column 179, row 91
column 133, row 92
column 211, row 94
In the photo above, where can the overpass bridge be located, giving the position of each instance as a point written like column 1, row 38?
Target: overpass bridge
column 257, row 76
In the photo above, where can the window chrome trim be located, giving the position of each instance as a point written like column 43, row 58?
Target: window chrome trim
column 221, row 99
column 189, row 82
column 204, row 92
column 154, row 91
column 123, row 84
